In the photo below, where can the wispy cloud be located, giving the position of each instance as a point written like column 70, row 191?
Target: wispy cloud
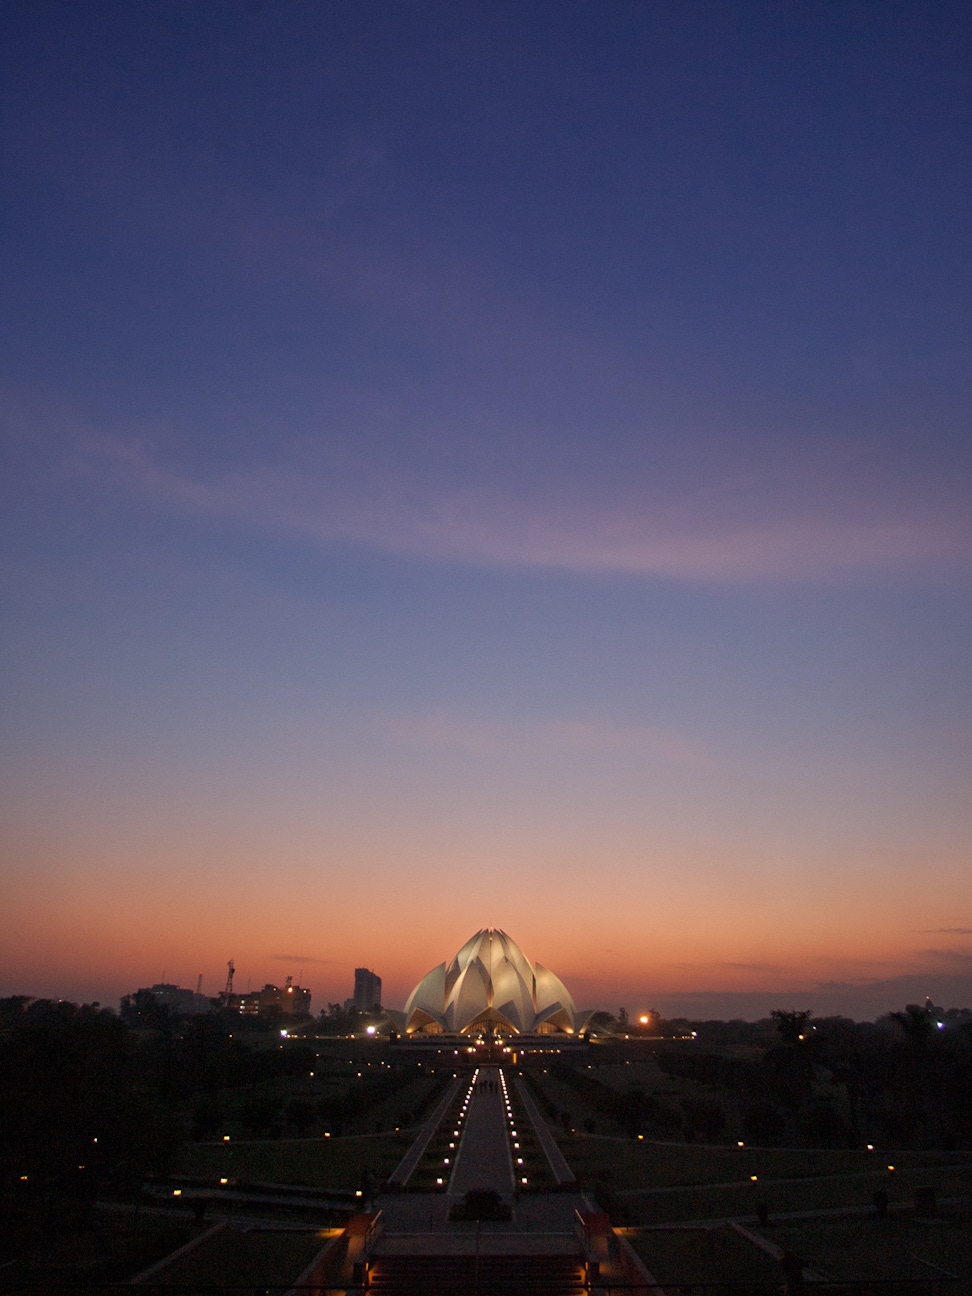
column 730, row 528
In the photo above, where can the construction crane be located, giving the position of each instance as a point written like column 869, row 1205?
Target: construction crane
column 227, row 994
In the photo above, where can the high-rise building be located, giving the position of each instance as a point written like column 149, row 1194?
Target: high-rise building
column 286, row 1001
column 367, row 990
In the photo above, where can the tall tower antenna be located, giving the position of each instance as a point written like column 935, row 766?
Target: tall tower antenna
column 199, row 984
column 230, row 969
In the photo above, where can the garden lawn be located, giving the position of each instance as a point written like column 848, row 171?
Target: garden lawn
column 631, row 1163
column 324, row 1163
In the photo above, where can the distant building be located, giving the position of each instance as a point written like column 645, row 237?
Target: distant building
column 184, row 1003
column 367, row 990
column 274, row 1001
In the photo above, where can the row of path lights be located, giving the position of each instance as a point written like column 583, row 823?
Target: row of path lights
column 514, row 1137
column 447, row 1161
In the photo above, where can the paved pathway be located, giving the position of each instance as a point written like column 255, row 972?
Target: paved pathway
column 484, row 1159
column 403, row 1171
column 555, row 1158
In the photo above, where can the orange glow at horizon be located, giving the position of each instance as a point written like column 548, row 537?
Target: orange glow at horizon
column 671, row 936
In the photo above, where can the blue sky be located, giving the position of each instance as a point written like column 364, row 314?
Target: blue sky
column 489, row 463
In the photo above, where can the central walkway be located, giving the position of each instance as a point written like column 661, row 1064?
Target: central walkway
column 419, row 1249
column 484, row 1159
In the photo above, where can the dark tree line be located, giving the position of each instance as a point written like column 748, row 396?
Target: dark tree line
column 79, row 1114
column 904, row 1081
column 89, row 1106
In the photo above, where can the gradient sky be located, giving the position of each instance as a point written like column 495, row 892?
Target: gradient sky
column 495, row 463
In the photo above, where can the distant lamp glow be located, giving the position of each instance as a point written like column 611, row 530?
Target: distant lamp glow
column 284, row 1033
column 224, row 1181
column 740, row 1143
column 754, row 1178
column 371, row 1030
column 870, row 1147
column 176, row 1192
column 644, row 1019
column 226, row 1138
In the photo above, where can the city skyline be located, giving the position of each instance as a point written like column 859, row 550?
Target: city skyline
column 486, row 464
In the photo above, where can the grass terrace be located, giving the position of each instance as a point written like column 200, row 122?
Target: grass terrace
column 688, row 1181
column 443, row 1144
column 901, row 1246
column 706, row 1256
column 107, row 1245
column 327, row 1164
column 250, row 1258
column 535, row 1168
column 637, row 1163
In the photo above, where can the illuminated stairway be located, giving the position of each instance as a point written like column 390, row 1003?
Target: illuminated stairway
column 489, row 1275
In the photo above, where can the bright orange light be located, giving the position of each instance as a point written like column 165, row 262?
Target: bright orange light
column 644, row 1019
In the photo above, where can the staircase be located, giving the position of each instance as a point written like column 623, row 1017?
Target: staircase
column 485, row 1275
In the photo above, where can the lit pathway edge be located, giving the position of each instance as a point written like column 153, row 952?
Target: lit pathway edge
column 406, row 1167
column 483, row 1160
column 555, row 1158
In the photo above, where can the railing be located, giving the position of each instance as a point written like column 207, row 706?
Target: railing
column 935, row 1286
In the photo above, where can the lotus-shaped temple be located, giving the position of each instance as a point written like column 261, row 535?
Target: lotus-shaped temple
column 490, row 987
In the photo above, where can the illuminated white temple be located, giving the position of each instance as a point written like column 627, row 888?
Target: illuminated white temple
column 490, row 986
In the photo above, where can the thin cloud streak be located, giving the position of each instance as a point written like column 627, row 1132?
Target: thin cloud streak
column 301, row 959
column 730, row 531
